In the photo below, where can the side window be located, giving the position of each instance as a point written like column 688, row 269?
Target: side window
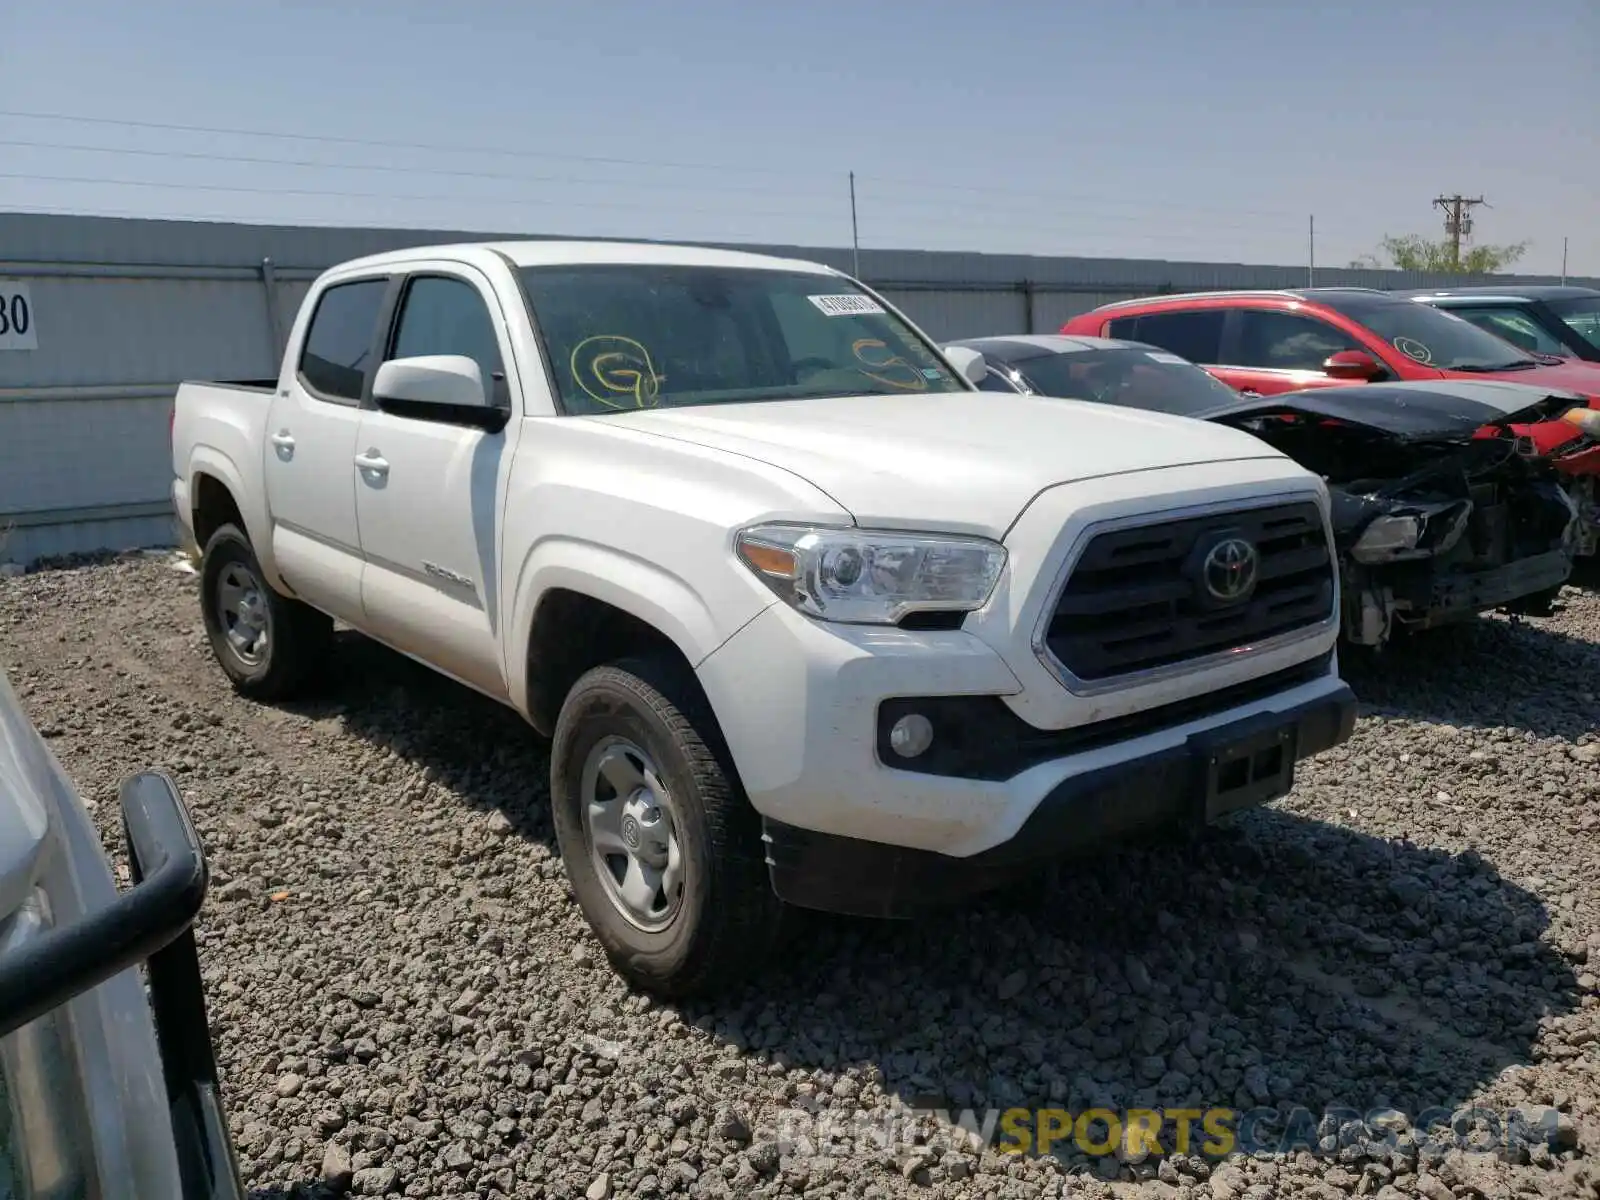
column 440, row 315
column 1122, row 328
column 1195, row 335
column 1287, row 342
column 333, row 362
column 993, row 381
column 1515, row 327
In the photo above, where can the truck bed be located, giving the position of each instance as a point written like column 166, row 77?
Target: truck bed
column 238, row 385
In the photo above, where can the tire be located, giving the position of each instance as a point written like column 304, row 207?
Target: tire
column 236, row 602
column 646, row 720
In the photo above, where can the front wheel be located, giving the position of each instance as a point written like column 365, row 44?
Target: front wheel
column 268, row 645
column 662, row 848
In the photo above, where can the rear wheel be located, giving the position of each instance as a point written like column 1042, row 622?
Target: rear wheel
column 268, row 645
column 661, row 846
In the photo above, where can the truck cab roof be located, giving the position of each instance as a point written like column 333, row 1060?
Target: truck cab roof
column 540, row 252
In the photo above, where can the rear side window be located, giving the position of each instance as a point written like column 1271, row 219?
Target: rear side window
column 339, row 343
column 1195, row 335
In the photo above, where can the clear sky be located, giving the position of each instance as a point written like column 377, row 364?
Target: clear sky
column 1211, row 129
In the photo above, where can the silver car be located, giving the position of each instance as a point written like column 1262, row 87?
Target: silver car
column 108, row 1088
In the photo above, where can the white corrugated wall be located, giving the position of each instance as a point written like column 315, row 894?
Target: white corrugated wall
column 124, row 310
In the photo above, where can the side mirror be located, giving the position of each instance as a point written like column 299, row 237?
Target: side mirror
column 1353, row 364
column 968, row 362
column 436, row 379
column 438, row 387
column 44, row 967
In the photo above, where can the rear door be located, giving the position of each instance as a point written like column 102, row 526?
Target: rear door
column 428, row 495
column 311, row 447
column 1269, row 351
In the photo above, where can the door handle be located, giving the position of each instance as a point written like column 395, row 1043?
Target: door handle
column 373, row 461
column 282, row 440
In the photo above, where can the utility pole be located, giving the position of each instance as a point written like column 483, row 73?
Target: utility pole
column 855, row 233
column 1311, row 253
column 1457, row 221
column 1563, row 262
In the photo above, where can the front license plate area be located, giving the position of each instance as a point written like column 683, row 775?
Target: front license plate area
column 1246, row 770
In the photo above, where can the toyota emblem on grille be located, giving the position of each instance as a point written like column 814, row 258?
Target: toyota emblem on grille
column 1229, row 570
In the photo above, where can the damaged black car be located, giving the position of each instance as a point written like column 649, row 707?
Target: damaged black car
column 1442, row 506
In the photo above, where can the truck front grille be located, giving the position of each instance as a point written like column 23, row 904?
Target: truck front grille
column 1161, row 594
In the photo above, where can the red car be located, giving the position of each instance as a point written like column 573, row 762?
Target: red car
column 1265, row 342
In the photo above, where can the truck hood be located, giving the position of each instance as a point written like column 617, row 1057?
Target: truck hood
column 959, row 462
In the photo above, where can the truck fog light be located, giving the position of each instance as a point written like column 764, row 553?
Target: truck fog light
column 911, row 735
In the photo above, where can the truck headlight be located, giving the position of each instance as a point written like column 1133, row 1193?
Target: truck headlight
column 1424, row 531
column 871, row 577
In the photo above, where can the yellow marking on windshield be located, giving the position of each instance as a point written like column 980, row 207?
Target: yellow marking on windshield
column 916, row 383
column 620, row 367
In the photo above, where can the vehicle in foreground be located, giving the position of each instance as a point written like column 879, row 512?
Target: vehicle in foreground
column 1537, row 318
column 1262, row 343
column 806, row 619
column 106, row 1090
column 1433, row 520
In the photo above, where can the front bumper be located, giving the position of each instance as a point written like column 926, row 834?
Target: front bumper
column 1185, row 783
column 1420, row 595
column 801, row 706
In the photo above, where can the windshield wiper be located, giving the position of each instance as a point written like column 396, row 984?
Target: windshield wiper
column 1516, row 364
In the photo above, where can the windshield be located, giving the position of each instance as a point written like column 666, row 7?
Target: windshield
column 1581, row 315
column 1134, row 378
column 630, row 336
column 1438, row 339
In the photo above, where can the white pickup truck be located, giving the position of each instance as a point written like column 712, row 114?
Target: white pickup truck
column 807, row 617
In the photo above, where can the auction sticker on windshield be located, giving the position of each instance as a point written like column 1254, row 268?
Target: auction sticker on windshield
column 16, row 317
column 851, row 305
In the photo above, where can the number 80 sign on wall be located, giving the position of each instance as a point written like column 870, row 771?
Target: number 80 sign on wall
column 16, row 317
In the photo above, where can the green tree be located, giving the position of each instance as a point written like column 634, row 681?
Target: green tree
column 1413, row 252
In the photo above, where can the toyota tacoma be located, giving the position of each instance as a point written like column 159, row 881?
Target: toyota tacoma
column 807, row 618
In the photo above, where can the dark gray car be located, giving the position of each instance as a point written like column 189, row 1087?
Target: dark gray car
column 1538, row 318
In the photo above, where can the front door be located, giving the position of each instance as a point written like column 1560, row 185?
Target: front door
column 311, row 447
column 428, row 493
column 1268, row 351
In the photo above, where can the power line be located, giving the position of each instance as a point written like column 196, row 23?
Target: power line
column 891, row 202
column 275, row 190
column 1047, row 197
column 322, row 221
column 386, row 144
column 436, row 148
column 269, row 161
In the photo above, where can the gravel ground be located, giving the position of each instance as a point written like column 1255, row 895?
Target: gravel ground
column 406, row 1000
